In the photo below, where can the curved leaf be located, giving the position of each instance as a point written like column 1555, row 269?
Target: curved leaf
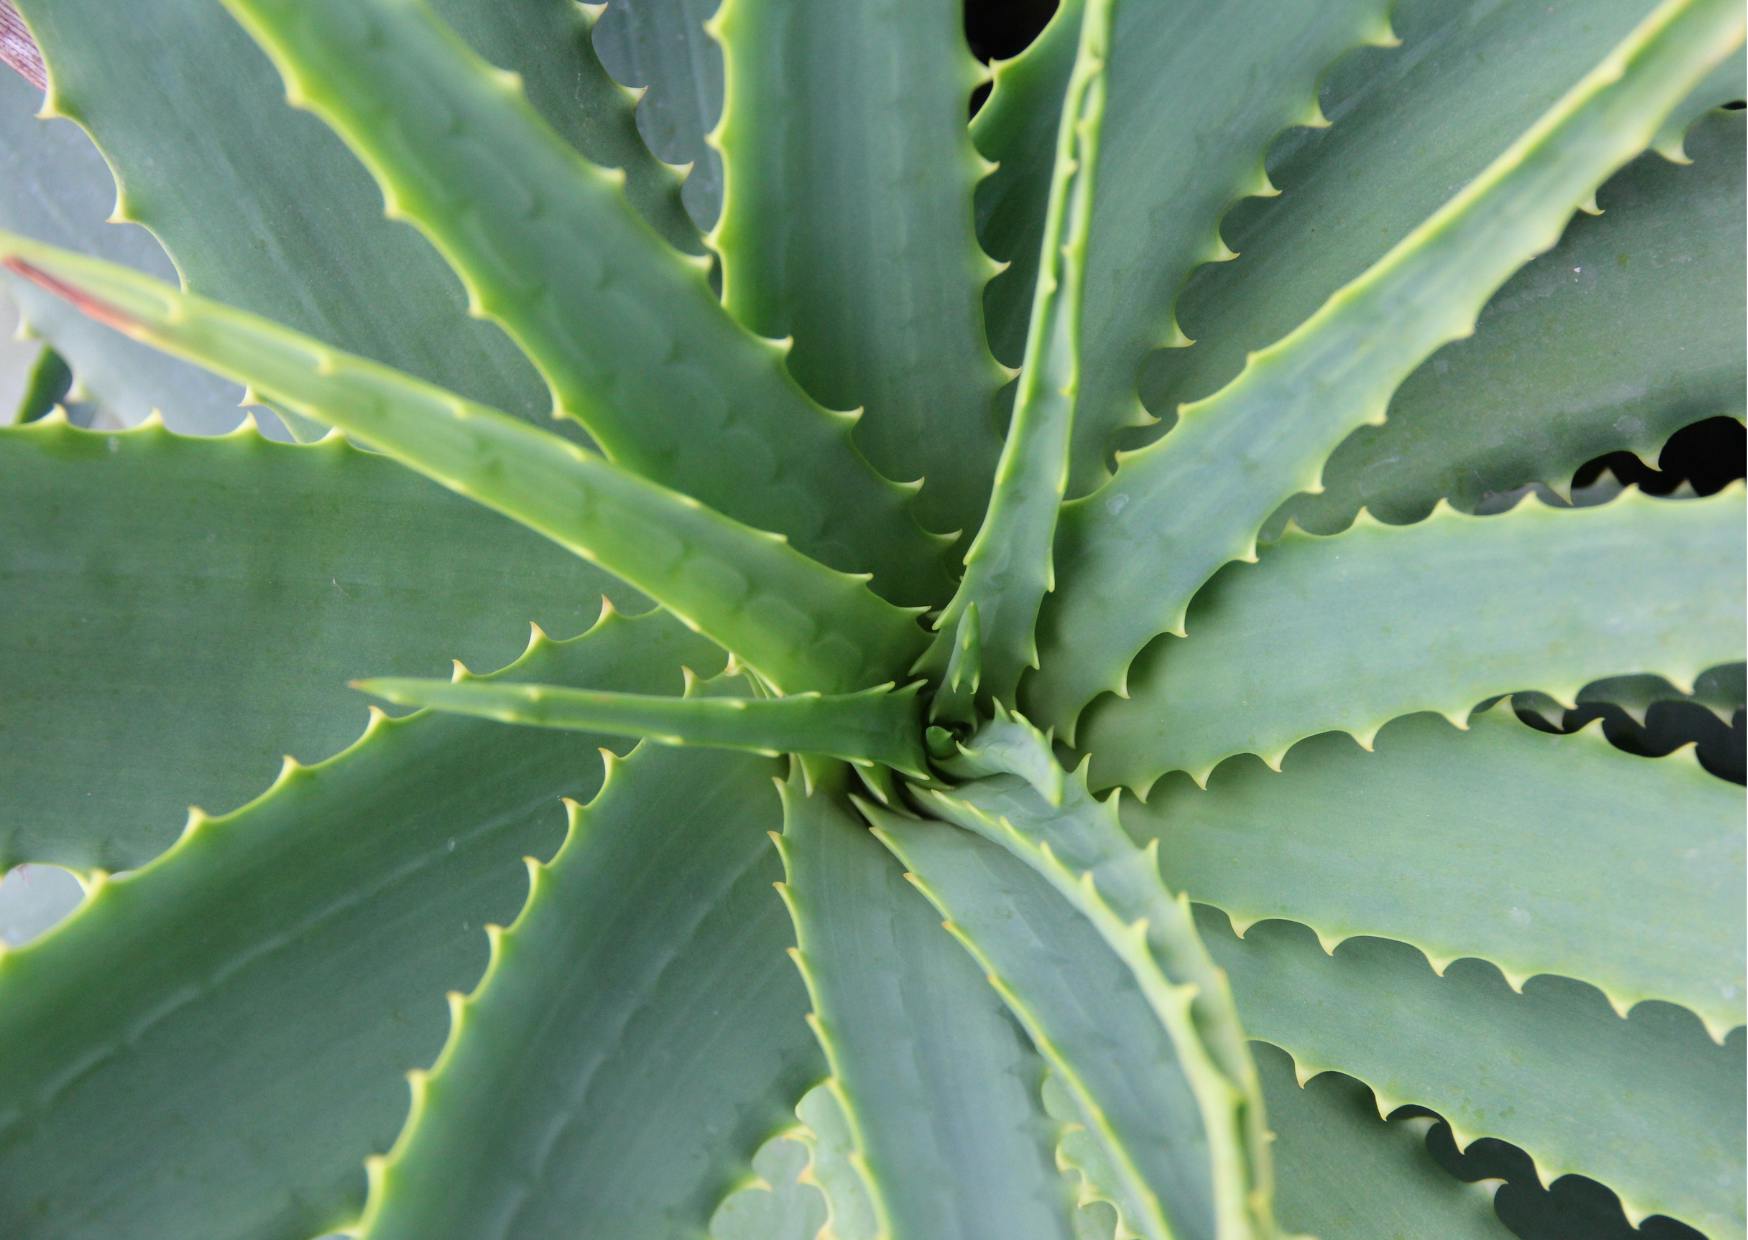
column 637, row 1028
column 847, row 161
column 299, row 952
column 631, row 339
column 1197, row 498
column 1350, row 631
column 938, row 1089
column 1628, row 330
column 182, row 612
column 1649, row 1105
column 1008, row 569
column 802, row 625
column 1526, row 849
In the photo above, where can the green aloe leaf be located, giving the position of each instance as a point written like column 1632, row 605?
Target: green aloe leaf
column 660, row 47
column 1197, row 498
column 1345, row 1172
column 1523, row 848
column 1350, row 631
column 1649, row 1106
column 1008, row 569
column 640, row 1006
column 183, row 612
column 812, row 229
column 905, row 1021
column 1628, row 330
column 265, row 991
column 57, row 187
column 1244, row 70
column 245, row 169
column 880, row 725
column 1081, row 850
column 798, row 623
column 1077, row 1000
column 631, row 339
column 1412, row 126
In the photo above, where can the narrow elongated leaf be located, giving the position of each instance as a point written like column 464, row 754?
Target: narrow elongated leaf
column 1526, row 849
column 1008, row 569
column 1649, row 1105
column 1086, row 1015
column 795, row 621
column 1628, row 330
column 1016, row 129
column 630, row 338
column 637, row 1028
column 660, row 47
column 258, row 205
column 57, row 187
column 880, row 725
column 1178, row 75
column 937, row 1086
column 266, row 991
column 1345, row 1172
column 1412, row 126
column 183, row 612
column 827, row 199
column 1268, row 431
column 1080, row 849
column 1351, row 631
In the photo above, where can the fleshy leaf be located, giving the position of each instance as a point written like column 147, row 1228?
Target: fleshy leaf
column 630, row 338
column 299, row 952
column 796, row 622
column 847, row 162
column 638, row 1024
column 881, row 725
column 1197, row 498
column 244, row 169
column 45, row 386
column 183, row 612
column 1179, row 75
column 1128, row 1077
column 1008, row 569
column 1649, row 1106
column 1350, row 631
column 1345, row 1172
column 1081, row 850
column 1526, row 849
column 906, row 1023
column 1628, row 330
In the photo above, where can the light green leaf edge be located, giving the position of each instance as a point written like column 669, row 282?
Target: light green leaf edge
column 823, row 204
column 1349, row 631
column 1648, row 1106
column 1525, row 849
column 905, row 1021
column 881, row 726
column 1297, row 399
column 1082, row 851
column 794, row 621
column 417, row 1189
column 1009, row 568
column 624, row 328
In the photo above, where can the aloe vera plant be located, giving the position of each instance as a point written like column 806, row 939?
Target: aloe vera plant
column 994, row 538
